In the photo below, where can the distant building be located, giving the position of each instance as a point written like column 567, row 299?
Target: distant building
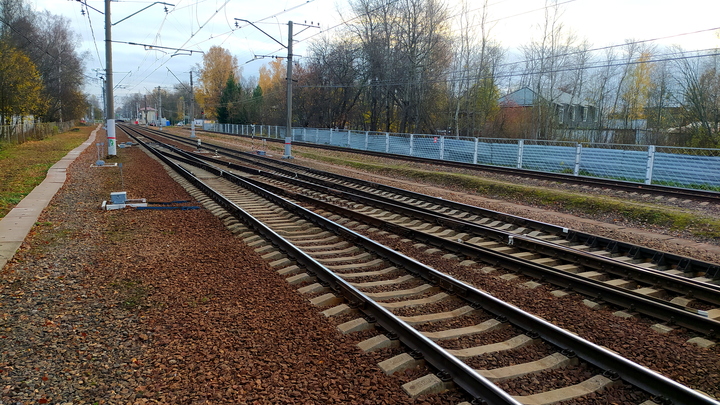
column 147, row 116
column 569, row 112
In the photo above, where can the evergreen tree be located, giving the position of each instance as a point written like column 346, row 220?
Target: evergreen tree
column 227, row 102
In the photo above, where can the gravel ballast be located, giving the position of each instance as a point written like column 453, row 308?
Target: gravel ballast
column 136, row 307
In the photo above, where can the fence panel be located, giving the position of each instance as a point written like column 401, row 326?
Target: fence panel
column 499, row 152
column 357, row 140
column 459, row 149
column 619, row 162
column 427, row 146
column 399, row 144
column 376, row 141
column 673, row 166
column 558, row 157
column 686, row 167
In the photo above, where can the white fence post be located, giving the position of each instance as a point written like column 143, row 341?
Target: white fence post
column 317, row 135
column 475, row 152
column 412, row 144
column 578, row 154
column 442, row 147
column 367, row 139
column 348, row 139
column 387, row 142
column 303, row 134
column 650, row 164
column 521, row 146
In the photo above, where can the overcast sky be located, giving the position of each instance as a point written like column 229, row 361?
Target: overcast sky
column 199, row 24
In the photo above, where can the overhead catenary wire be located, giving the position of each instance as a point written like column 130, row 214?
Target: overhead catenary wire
column 195, row 39
column 41, row 48
column 712, row 52
column 92, row 31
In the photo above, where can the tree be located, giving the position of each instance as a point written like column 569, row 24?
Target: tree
column 405, row 49
column 51, row 45
column 230, row 109
column 330, row 83
column 217, row 65
column 546, row 65
column 472, row 88
column 660, row 106
column 273, row 86
column 635, row 94
column 700, row 85
column 255, row 105
column 20, row 85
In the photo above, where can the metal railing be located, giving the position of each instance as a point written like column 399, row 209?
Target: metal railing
column 696, row 168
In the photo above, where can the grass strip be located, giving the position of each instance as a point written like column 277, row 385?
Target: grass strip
column 663, row 216
column 24, row 166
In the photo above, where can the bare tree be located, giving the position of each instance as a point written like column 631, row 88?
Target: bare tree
column 472, row 85
column 546, row 63
column 405, row 56
column 333, row 80
column 699, row 82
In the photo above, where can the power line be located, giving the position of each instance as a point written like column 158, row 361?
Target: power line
column 41, row 48
column 92, row 31
column 714, row 52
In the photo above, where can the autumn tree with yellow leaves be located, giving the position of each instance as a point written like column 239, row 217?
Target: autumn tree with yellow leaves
column 217, row 66
column 20, row 85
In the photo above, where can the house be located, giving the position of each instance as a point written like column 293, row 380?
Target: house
column 148, row 115
column 569, row 112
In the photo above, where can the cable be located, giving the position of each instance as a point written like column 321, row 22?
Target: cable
column 714, row 51
column 40, row 47
column 92, row 31
column 192, row 35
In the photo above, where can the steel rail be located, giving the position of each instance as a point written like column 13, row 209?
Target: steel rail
column 646, row 305
column 631, row 372
column 684, row 264
column 465, row 377
column 679, row 284
column 697, row 289
column 677, row 192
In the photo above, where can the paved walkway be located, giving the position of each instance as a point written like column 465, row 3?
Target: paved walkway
column 15, row 226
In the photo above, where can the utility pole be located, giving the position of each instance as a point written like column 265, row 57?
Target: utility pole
column 146, row 123
column 288, row 120
column 104, row 99
column 110, row 113
column 192, row 108
column 160, row 120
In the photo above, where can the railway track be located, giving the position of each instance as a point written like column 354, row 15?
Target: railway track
column 591, row 182
column 435, row 316
column 650, row 287
column 649, row 258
